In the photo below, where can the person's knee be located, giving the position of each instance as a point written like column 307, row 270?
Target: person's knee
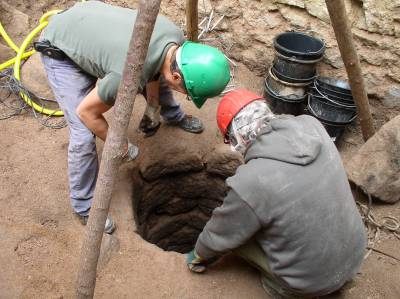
column 84, row 141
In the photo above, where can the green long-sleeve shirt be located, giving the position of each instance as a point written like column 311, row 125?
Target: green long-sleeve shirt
column 96, row 37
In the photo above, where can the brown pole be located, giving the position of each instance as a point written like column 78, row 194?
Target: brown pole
column 337, row 13
column 192, row 20
column 113, row 148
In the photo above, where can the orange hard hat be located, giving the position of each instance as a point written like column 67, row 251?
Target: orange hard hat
column 230, row 104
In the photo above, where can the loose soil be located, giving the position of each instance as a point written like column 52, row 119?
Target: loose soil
column 40, row 240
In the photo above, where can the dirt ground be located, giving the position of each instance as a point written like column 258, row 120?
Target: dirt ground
column 40, row 241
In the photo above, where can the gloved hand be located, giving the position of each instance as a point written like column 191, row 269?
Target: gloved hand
column 131, row 153
column 195, row 262
column 150, row 121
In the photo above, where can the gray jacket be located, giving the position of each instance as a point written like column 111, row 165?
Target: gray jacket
column 293, row 197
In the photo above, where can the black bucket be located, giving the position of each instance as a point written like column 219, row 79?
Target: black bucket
column 284, row 89
column 341, row 97
column 335, row 85
column 294, row 71
column 296, row 57
column 340, row 101
column 284, row 105
column 287, row 78
column 330, row 112
column 299, row 46
column 335, row 131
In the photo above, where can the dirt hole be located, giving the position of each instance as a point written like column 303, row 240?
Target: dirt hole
column 171, row 211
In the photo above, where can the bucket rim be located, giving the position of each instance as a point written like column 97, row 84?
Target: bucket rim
column 306, row 82
column 344, row 96
column 295, row 59
column 284, row 82
column 325, row 81
column 332, row 103
column 307, row 54
column 309, row 99
column 346, row 104
column 279, row 97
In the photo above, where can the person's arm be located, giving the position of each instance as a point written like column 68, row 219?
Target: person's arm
column 230, row 226
column 91, row 110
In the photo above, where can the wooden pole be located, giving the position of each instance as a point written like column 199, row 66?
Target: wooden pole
column 113, row 148
column 192, row 20
column 337, row 13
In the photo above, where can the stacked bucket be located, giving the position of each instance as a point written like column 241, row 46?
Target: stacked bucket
column 331, row 102
column 293, row 70
column 293, row 87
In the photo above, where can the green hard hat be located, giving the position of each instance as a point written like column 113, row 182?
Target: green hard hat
column 205, row 71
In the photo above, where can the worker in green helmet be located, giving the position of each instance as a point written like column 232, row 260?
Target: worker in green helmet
column 84, row 50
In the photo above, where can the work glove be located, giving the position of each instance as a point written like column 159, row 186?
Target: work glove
column 131, row 153
column 150, row 121
column 195, row 262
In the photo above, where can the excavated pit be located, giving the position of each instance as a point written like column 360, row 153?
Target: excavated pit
column 173, row 199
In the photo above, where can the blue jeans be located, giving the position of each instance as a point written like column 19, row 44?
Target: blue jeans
column 70, row 84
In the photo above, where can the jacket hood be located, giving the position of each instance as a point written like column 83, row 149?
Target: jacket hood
column 294, row 140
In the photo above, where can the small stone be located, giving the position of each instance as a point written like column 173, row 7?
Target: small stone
column 392, row 97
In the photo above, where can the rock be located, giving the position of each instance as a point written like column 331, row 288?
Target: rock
column 380, row 15
column 177, row 194
column 376, row 166
column 332, row 57
column 392, row 97
column 153, row 165
column 34, row 78
column 222, row 161
column 296, row 17
column 298, row 3
column 16, row 23
column 317, row 8
column 109, row 246
column 394, row 74
column 373, row 83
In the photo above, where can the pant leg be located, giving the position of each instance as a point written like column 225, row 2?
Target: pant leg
column 255, row 256
column 171, row 111
column 70, row 85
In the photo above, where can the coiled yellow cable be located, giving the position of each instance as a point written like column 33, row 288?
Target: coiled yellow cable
column 21, row 54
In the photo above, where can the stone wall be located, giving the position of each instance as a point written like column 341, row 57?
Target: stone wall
column 249, row 26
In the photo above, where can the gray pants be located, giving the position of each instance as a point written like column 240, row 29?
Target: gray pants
column 70, row 85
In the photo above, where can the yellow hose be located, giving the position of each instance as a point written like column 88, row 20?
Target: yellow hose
column 21, row 55
column 8, row 40
column 10, row 62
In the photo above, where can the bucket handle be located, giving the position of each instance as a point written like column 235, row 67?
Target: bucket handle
column 294, row 59
column 285, row 83
column 280, row 97
column 330, row 100
column 303, row 84
column 314, row 113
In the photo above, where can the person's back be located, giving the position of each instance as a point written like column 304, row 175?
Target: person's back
column 96, row 37
column 294, row 180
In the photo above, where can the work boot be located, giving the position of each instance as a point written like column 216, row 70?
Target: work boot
column 150, row 121
column 109, row 227
column 190, row 124
column 131, row 153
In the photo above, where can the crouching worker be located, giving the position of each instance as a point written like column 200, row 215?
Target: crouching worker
column 84, row 50
column 289, row 211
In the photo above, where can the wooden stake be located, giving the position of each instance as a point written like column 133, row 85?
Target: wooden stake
column 113, row 148
column 337, row 13
column 192, row 20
